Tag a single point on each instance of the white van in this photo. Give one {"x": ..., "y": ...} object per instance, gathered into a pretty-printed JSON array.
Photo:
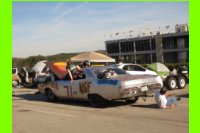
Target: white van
[{"x": 37, "y": 74}]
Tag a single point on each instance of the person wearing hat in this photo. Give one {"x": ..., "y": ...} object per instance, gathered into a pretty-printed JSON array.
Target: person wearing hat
[
  {"x": 72, "y": 70},
  {"x": 86, "y": 63}
]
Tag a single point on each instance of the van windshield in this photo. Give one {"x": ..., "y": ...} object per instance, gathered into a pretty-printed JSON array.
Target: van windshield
[{"x": 14, "y": 70}]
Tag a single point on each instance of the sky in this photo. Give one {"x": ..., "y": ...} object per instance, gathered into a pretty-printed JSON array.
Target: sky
[{"x": 48, "y": 28}]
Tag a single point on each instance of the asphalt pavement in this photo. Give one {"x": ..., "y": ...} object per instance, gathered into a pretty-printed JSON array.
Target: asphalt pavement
[{"x": 32, "y": 113}]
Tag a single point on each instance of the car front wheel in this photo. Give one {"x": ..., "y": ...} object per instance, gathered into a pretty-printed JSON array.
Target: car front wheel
[
  {"x": 97, "y": 101},
  {"x": 50, "y": 95}
]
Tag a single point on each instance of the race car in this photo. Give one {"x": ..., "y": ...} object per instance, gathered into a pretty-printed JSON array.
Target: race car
[{"x": 99, "y": 84}]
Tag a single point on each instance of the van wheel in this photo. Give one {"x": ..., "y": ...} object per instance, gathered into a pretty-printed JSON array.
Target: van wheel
[
  {"x": 181, "y": 82},
  {"x": 28, "y": 85},
  {"x": 96, "y": 100},
  {"x": 50, "y": 95},
  {"x": 171, "y": 83},
  {"x": 132, "y": 100}
]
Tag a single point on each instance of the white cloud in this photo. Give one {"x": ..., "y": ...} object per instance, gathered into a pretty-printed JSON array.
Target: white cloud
[{"x": 64, "y": 13}]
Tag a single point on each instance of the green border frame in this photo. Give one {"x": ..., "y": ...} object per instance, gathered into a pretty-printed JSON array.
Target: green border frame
[
  {"x": 194, "y": 68},
  {"x": 5, "y": 66},
  {"x": 100, "y": 0},
  {"x": 6, "y": 58}
]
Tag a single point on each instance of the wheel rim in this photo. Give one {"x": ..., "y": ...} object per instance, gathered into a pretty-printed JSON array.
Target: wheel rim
[
  {"x": 173, "y": 84},
  {"x": 182, "y": 82}
]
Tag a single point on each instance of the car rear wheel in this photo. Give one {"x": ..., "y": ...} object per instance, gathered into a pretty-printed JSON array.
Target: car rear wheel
[
  {"x": 50, "y": 95},
  {"x": 181, "y": 82},
  {"x": 132, "y": 100},
  {"x": 96, "y": 100},
  {"x": 171, "y": 83}
]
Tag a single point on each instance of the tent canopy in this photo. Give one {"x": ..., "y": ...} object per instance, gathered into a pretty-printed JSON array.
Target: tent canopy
[
  {"x": 159, "y": 68},
  {"x": 92, "y": 57}
]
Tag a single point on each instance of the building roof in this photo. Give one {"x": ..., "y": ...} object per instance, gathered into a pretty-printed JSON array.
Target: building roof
[{"x": 175, "y": 34}]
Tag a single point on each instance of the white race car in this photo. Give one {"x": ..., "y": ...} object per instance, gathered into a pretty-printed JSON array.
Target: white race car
[
  {"x": 100, "y": 84},
  {"x": 134, "y": 69}
]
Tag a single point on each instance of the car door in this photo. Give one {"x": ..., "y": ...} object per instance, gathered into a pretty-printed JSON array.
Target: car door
[
  {"x": 64, "y": 88},
  {"x": 81, "y": 88},
  {"x": 77, "y": 88}
]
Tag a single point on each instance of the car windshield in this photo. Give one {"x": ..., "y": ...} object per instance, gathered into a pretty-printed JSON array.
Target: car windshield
[
  {"x": 109, "y": 72},
  {"x": 117, "y": 71},
  {"x": 14, "y": 71}
]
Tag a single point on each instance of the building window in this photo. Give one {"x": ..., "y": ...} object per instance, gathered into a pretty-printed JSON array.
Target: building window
[
  {"x": 143, "y": 58},
  {"x": 153, "y": 57},
  {"x": 112, "y": 48},
  {"x": 169, "y": 43},
  {"x": 170, "y": 57},
  {"x": 142, "y": 45},
  {"x": 153, "y": 44},
  {"x": 186, "y": 41},
  {"x": 127, "y": 46}
]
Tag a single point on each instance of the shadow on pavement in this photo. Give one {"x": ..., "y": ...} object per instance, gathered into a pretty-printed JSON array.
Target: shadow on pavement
[
  {"x": 72, "y": 102},
  {"x": 30, "y": 97},
  {"x": 155, "y": 106},
  {"x": 184, "y": 95}
]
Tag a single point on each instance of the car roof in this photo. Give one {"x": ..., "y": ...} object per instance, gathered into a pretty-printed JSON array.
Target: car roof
[
  {"x": 123, "y": 64},
  {"x": 99, "y": 68}
]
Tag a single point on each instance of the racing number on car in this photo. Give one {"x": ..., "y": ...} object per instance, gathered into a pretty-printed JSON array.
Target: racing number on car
[
  {"x": 84, "y": 87},
  {"x": 68, "y": 90}
]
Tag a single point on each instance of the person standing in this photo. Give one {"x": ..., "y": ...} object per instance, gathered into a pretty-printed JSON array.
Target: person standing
[{"x": 72, "y": 69}]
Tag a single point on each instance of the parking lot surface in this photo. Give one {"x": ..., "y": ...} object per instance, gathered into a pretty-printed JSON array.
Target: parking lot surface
[{"x": 32, "y": 113}]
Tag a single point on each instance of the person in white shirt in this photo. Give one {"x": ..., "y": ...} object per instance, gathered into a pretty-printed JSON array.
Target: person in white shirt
[{"x": 165, "y": 101}]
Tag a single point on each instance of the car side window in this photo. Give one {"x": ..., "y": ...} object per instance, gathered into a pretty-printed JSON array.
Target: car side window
[
  {"x": 80, "y": 75},
  {"x": 129, "y": 68},
  {"x": 45, "y": 70},
  {"x": 138, "y": 68},
  {"x": 132, "y": 68},
  {"x": 126, "y": 68}
]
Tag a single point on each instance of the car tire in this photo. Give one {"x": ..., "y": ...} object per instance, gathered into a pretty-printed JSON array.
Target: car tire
[
  {"x": 171, "y": 83},
  {"x": 181, "y": 82},
  {"x": 132, "y": 100},
  {"x": 97, "y": 101},
  {"x": 27, "y": 85},
  {"x": 15, "y": 83},
  {"x": 50, "y": 95}
]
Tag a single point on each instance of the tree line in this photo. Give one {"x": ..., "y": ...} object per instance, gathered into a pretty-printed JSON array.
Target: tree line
[{"x": 30, "y": 61}]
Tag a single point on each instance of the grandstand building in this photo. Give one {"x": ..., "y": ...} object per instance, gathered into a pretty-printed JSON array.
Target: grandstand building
[{"x": 162, "y": 47}]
